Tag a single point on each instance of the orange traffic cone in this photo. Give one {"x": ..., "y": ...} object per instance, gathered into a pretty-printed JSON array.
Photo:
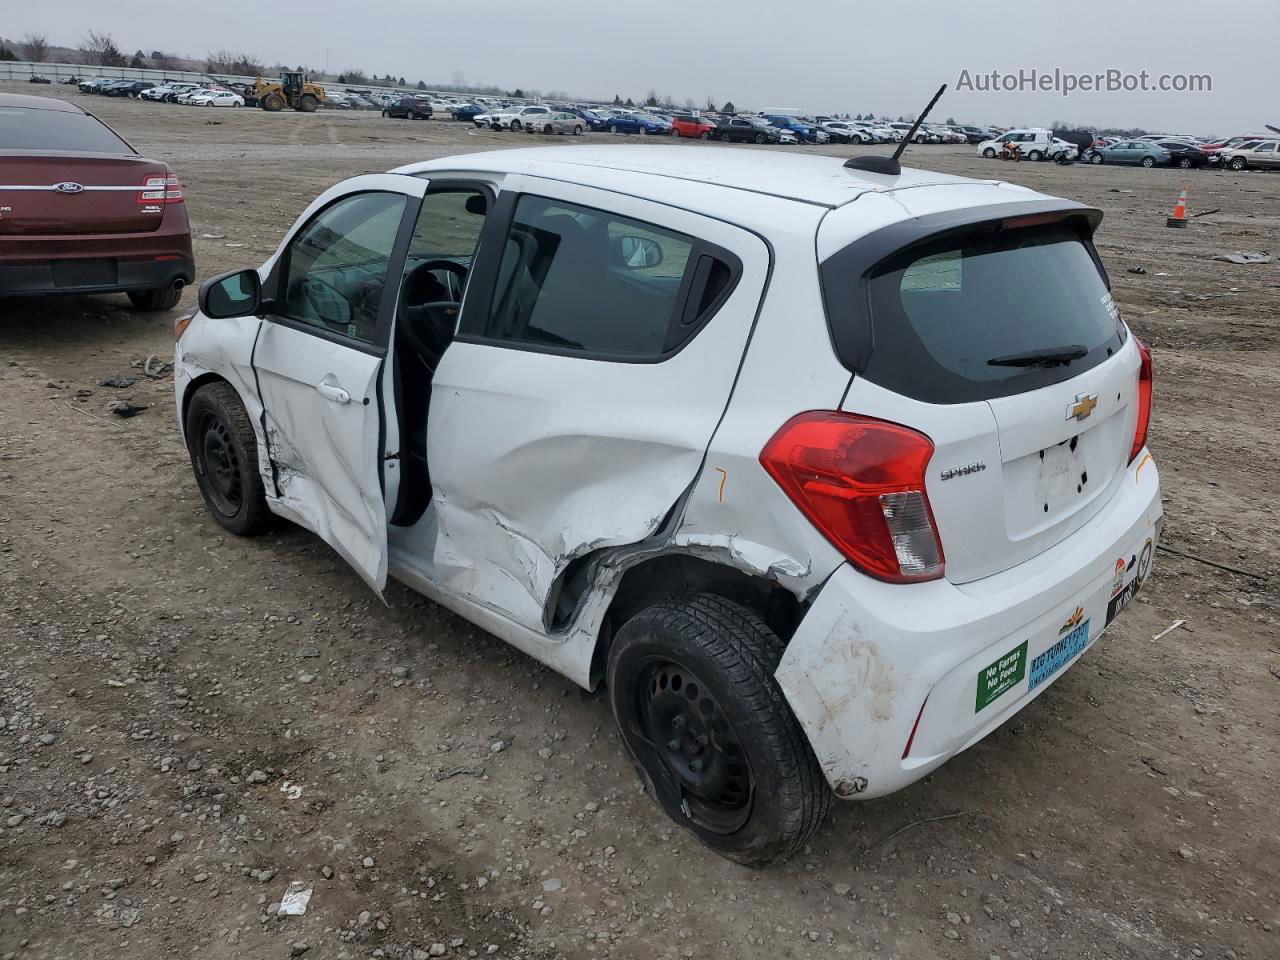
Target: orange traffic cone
[{"x": 1179, "y": 218}]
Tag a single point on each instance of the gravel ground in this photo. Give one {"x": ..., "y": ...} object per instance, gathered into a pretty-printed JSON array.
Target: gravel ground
[{"x": 192, "y": 724}]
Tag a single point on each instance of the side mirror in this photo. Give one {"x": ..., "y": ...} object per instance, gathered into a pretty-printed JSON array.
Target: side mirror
[
  {"x": 639, "y": 253},
  {"x": 234, "y": 294}
]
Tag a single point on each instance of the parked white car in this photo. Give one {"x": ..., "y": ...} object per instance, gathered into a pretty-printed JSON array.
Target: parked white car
[
  {"x": 1036, "y": 143},
  {"x": 696, "y": 425},
  {"x": 168, "y": 91},
  {"x": 217, "y": 98}
]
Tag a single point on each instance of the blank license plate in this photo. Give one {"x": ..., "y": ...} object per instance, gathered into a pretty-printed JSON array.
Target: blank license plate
[{"x": 99, "y": 272}]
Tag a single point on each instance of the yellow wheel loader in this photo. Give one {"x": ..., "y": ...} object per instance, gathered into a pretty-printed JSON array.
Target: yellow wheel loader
[{"x": 293, "y": 90}]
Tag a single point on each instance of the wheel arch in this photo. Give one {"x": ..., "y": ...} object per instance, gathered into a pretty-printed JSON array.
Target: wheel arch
[{"x": 678, "y": 573}]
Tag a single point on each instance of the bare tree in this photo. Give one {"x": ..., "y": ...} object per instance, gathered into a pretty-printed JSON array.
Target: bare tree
[
  {"x": 458, "y": 79},
  {"x": 99, "y": 49},
  {"x": 242, "y": 64},
  {"x": 34, "y": 47}
]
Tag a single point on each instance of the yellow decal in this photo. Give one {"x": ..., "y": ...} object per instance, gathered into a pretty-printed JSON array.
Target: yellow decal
[
  {"x": 1073, "y": 621},
  {"x": 723, "y": 478}
]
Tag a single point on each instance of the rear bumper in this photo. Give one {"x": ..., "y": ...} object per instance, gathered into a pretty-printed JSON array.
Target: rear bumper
[
  {"x": 97, "y": 263},
  {"x": 870, "y": 659}
]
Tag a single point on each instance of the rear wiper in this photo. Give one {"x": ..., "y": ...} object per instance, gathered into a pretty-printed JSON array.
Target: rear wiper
[{"x": 1047, "y": 357}]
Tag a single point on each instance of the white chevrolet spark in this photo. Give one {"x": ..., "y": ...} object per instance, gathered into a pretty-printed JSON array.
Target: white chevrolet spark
[{"x": 825, "y": 473}]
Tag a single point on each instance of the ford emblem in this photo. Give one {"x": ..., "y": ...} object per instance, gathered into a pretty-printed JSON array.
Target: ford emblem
[{"x": 69, "y": 186}]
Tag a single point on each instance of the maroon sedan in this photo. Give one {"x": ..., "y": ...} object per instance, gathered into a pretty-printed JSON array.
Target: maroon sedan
[{"x": 81, "y": 212}]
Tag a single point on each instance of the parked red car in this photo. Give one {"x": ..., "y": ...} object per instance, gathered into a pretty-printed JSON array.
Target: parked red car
[
  {"x": 82, "y": 212},
  {"x": 687, "y": 125}
]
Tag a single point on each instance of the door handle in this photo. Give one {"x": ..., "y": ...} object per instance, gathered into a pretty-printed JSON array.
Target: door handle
[{"x": 336, "y": 394}]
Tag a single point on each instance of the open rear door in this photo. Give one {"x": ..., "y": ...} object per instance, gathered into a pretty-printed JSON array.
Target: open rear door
[{"x": 322, "y": 364}]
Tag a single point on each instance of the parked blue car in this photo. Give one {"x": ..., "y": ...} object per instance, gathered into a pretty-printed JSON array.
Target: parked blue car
[
  {"x": 467, "y": 111},
  {"x": 805, "y": 132},
  {"x": 637, "y": 123},
  {"x": 1142, "y": 152},
  {"x": 594, "y": 120}
]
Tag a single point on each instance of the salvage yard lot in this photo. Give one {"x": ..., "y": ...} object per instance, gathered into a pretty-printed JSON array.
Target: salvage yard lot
[{"x": 191, "y": 721}]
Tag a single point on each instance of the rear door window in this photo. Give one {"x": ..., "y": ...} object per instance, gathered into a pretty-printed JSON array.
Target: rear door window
[
  {"x": 581, "y": 280},
  {"x": 22, "y": 128},
  {"x": 956, "y": 319}
]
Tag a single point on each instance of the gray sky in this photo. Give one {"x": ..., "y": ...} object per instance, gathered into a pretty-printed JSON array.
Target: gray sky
[{"x": 836, "y": 56}]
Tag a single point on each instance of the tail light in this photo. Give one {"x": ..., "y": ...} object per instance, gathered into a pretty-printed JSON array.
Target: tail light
[
  {"x": 861, "y": 483},
  {"x": 1144, "y": 400},
  {"x": 161, "y": 189}
]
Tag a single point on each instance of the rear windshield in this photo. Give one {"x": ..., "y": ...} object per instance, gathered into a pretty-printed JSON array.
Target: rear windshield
[
  {"x": 22, "y": 128},
  {"x": 943, "y": 311}
]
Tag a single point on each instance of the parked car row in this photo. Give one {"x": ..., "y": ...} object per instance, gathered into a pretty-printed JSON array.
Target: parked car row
[
  {"x": 1150, "y": 150},
  {"x": 177, "y": 91}
]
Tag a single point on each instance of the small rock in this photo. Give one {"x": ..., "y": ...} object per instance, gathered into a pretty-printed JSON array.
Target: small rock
[
  {"x": 1186, "y": 853},
  {"x": 551, "y": 885},
  {"x": 951, "y": 934},
  {"x": 498, "y": 746},
  {"x": 298, "y": 948},
  {"x": 47, "y": 739},
  {"x": 258, "y": 776},
  {"x": 200, "y": 877},
  {"x": 307, "y": 678},
  {"x": 400, "y": 673},
  {"x": 327, "y": 872},
  {"x": 592, "y": 807},
  {"x": 437, "y": 950},
  {"x": 367, "y": 863},
  {"x": 841, "y": 889},
  {"x": 953, "y": 919}
]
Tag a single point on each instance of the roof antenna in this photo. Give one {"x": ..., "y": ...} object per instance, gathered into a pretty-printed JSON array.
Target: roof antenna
[{"x": 889, "y": 166}]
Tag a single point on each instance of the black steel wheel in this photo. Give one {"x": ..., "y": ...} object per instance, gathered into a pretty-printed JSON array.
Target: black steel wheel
[
  {"x": 224, "y": 457},
  {"x": 692, "y": 688}
]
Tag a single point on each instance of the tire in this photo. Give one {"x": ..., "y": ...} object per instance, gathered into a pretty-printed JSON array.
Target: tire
[
  {"x": 1035, "y": 155},
  {"x": 762, "y": 794},
  {"x": 166, "y": 298},
  {"x": 273, "y": 103},
  {"x": 760, "y": 138},
  {"x": 307, "y": 103},
  {"x": 1237, "y": 163},
  {"x": 1148, "y": 162},
  {"x": 577, "y": 130},
  {"x": 515, "y": 124},
  {"x": 612, "y": 128},
  {"x": 548, "y": 130},
  {"x": 1096, "y": 159},
  {"x": 989, "y": 153},
  {"x": 705, "y": 135},
  {"x": 1185, "y": 163},
  {"x": 386, "y": 114},
  {"x": 224, "y": 457},
  {"x": 235, "y": 105},
  {"x": 675, "y": 133}
]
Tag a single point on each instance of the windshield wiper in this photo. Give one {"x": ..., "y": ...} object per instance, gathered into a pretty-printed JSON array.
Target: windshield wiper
[{"x": 1047, "y": 357}]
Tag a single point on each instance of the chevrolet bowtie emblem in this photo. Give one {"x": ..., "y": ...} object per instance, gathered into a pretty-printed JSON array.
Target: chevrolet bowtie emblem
[{"x": 1082, "y": 407}]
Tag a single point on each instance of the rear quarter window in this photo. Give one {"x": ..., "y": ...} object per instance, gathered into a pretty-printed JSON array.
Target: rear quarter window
[{"x": 22, "y": 128}]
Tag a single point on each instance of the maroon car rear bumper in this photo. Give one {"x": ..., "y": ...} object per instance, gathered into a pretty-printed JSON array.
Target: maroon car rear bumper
[{"x": 31, "y": 265}]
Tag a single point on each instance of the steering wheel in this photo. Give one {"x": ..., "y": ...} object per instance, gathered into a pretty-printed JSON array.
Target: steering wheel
[
  {"x": 327, "y": 303},
  {"x": 448, "y": 266}
]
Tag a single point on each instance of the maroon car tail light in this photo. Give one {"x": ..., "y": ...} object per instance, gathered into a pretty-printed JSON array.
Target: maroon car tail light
[
  {"x": 861, "y": 482},
  {"x": 161, "y": 189},
  {"x": 1145, "y": 382}
]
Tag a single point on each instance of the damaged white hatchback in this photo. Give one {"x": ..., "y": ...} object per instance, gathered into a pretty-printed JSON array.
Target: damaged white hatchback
[{"x": 824, "y": 472}]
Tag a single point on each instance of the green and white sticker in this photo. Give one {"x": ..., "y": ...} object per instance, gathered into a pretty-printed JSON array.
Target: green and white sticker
[{"x": 1002, "y": 676}]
